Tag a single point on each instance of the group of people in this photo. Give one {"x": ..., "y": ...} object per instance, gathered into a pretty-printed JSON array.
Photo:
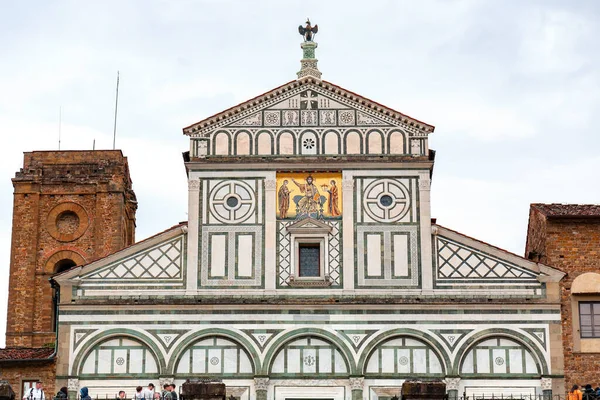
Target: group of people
[
  {"x": 586, "y": 392},
  {"x": 141, "y": 393}
]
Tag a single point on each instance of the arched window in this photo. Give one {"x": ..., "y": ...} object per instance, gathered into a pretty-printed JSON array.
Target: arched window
[
  {"x": 214, "y": 356},
  {"x": 499, "y": 357},
  {"x": 122, "y": 356},
  {"x": 63, "y": 265},
  {"x": 309, "y": 356},
  {"x": 404, "y": 357}
]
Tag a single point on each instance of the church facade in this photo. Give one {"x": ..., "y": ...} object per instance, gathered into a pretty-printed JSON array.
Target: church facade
[{"x": 310, "y": 267}]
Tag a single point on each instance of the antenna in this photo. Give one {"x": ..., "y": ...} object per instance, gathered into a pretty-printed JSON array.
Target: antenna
[
  {"x": 94, "y": 145},
  {"x": 59, "y": 125},
  {"x": 116, "y": 107}
]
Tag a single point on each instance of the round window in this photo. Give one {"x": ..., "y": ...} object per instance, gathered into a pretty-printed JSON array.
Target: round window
[
  {"x": 386, "y": 200},
  {"x": 232, "y": 201}
]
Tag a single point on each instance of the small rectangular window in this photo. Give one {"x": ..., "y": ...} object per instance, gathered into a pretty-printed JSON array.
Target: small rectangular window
[
  {"x": 27, "y": 384},
  {"x": 589, "y": 319},
  {"x": 309, "y": 260}
]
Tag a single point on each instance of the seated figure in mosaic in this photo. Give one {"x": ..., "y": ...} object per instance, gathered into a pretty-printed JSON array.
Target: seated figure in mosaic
[{"x": 311, "y": 201}]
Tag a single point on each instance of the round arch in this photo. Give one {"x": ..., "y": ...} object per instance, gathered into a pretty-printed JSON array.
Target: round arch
[
  {"x": 368, "y": 135},
  {"x": 61, "y": 255},
  {"x": 214, "y": 332},
  {"x": 288, "y": 337},
  {"x": 348, "y": 135},
  {"x": 391, "y": 144},
  {"x": 586, "y": 283},
  {"x": 257, "y": 142},
  {"x": 407, "y": 332},
  {"x": 324, "y": 137},
  {"x": 316, "y": 139},
  {"x": 501, "y": 333},
  {"x": 113, "y": 333},
  {"x": 237, "y": 142},
  {"x": 216, "y": 139},
  {"x": 283, "y": 134}
]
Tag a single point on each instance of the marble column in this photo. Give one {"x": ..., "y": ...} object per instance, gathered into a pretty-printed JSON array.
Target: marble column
[
  {"x": 452, "y": 388},
  {"x": 73, "y": 388},
  {"x": 261, "y": 385},
  {"x": 546, "y": 384},
  {"x": 357, "y": 384}
]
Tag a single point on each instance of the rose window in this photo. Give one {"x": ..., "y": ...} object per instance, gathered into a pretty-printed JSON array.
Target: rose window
[
  {"x": 308, "y": 143},
  {"x": 386, "y": 200}
]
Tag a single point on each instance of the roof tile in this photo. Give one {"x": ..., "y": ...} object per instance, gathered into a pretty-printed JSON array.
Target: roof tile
[{"x": 569, "y": 210}]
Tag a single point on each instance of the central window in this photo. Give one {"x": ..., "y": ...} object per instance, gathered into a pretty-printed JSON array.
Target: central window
[
  {"x": 309, "y": 260},
  {"x": 589, "y": 319}
]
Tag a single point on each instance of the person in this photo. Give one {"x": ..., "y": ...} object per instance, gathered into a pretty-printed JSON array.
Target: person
[
  {"x": 283, "y": 197},
  {"x": 574, "y": 393},
  {"x": 589, "y": 393},
  {"x": 598, "y": 391},
  {"x": 173, "y": 392},
  {"x": 35, "y": 393},
  {"x": 139, "y": 393},
  {"x": 62, "y": 394},
  {"x": 332, "y": 207},
  {"x": 121, "y": 394},
  {"x": 83, "y": 394},
  {"x": 166, "y": 393},
  {"x": 309, "y": 203},
  {"x": 150, "y": 392}
]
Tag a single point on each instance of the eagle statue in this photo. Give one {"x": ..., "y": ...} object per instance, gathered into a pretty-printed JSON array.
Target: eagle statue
[{"x": 308, "y": 31}]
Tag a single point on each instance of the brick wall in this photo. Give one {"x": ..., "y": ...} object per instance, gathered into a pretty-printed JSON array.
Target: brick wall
[
  {"x": 68, "y": 205},
  {"x": 16, "y": 374},
  {"x": 573, "y": 246}
]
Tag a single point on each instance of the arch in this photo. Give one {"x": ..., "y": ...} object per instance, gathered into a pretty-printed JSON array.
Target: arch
[
  {"x": 499, "y": 333},
  {"x": 117, "y": 333},
  {"x": 396, "y": 142},
  {"x": 263, "y": 143},
  {"x": 242, "y": 144},
  {"x": 586, "y": 283},
  {"x": 214, "y": 332},
  {"x": 404, "y": 332},
  {"x": 221, "y": 143},
  {"x": 374, "y": 142},
  {"x": 353, "y": 142},
  {"x": 331, "y": 142},
  {"x": 214, "y": 355},
  {"x": 289, "y": 337},
  {"x": 52, "y": 263},
  {"x": 309, "y": 148},
  {"x": 286, "y": 143}
]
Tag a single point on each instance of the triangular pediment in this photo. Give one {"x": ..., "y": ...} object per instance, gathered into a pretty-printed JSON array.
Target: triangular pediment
[
  {"x": 309, "y": 225},
  {"x": 157, "y": 261},
  {"x": 462, "y": 260},
  {"x": 308, "y": 103}
]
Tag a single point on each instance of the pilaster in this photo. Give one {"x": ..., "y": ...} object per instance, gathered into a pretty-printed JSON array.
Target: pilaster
[
  {"x": 452, "y": 385},
  {"x": 425, "y": 223},
  {"x": 270, "y": 232},
  {"x": 192, "y": 236},
  {"x": 348, "y": 233},
  {"x": 546, "y": 384}
]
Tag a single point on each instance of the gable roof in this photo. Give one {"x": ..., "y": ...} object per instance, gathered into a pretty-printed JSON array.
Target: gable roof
[
  {"x": 544, "y": 272},
  {"x": 556, "y": 210},
  {"x": 338, "y": 90}
]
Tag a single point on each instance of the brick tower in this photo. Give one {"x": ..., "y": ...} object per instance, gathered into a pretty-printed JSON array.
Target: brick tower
[
  {"x": 70, "y": 208},
  {"x": 567, "y": 237}
]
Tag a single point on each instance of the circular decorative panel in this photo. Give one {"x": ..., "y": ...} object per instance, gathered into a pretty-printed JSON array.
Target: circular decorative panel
[
  {"x": 386, "y": 200},
  {"x": 403, "y": 360},
  {"x": 120, "y": 361},
  {"x": 67, "y": 222},
  {"x": 214, "y": 361},
  {"x": 499, "y": 361},
  {"x": 232, "y": 201}
]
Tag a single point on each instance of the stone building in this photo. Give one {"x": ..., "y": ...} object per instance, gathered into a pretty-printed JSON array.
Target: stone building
[
  {"x": 310, "y": 267},
  {"x": 70, "y": 208},
  {"x": 567, "y": 236}
]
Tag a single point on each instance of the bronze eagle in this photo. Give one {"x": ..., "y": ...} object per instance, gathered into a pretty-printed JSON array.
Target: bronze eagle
[{"x": 308, "y": 31}]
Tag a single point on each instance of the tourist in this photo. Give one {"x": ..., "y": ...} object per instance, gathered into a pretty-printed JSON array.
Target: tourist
[
  {"x": 139, "y": 393},
  {"x": 574, "y": 393},
  {"x": 166, "y": 393},
  {"x": 62, "y": 394},
  {"x": 121, "y": 394},
  {"x": 35, "y": 393},
  {"x": 83, "y": 394},
  {"x": 149, "y": 392},
  {"x": 589, "y": 393},
  {"x": 173, "y": 392}
]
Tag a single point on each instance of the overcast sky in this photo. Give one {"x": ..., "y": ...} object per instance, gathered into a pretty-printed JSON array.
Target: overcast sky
[{"x": 511, "y": 86}]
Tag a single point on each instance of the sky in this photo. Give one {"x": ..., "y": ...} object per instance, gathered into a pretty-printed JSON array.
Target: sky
[{"x": 512, "y": 87}]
